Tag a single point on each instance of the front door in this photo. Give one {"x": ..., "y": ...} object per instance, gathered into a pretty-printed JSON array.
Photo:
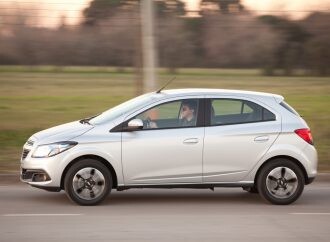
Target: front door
[{"x": 168, "y": 150}]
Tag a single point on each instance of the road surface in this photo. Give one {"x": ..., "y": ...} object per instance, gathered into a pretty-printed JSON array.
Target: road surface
[{"x": 227, "y": 214}]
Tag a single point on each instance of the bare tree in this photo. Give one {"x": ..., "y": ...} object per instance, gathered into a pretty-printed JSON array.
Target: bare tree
[{"x": 232, "y": 41}]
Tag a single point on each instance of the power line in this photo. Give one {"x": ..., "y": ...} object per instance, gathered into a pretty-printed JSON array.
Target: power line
[
  {"x": 49, "y": 3},
  {"x": 197, "y": 11},
  {"x": 105, "y": 4},
  {"x": 51, "y": 17},
  {"x": 51, "y": 9},
  {"x": 256, "y": 26},
  {"x": 56, "y": 3},
  {"x": 38, "y": 9},
  {"x": 124, "y": 19}
]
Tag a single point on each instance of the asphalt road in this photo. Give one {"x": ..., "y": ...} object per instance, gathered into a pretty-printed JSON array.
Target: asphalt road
[{"x": 227, "y": 214}]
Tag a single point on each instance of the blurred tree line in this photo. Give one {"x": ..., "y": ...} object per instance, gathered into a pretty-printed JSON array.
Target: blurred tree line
[{"x": 222, "y": 35}]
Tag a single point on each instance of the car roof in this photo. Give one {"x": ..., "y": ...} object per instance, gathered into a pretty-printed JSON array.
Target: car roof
[{"x": 209, "y": 91}]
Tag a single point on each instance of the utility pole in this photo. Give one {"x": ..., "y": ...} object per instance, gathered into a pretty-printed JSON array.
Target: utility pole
[
  {"x": 138, "y": 68},
  {"x": 148, "y": 46}
]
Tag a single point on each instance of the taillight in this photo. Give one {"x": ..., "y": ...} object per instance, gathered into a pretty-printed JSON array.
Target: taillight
[{"x": 305, "y": 134}]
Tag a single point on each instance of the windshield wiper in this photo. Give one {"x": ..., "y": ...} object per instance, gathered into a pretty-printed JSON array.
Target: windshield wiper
[{"x": 85, "y": 121}]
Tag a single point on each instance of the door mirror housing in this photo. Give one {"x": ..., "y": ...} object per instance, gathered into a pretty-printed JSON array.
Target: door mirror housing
[{"x": 134, "y": 124}]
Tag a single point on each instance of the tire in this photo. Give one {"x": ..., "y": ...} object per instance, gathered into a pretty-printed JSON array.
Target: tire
[
  {"x": 280, "y": 182},
  {"x": 88, "y": 182}
]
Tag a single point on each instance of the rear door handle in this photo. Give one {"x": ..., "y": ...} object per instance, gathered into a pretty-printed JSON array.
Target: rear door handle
[
  {"x": 261, "y": 138},
  {"x": 191, "y": 141}
]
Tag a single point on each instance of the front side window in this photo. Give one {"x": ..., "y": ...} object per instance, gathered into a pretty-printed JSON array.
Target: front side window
[
  {"x": 174, "y": 114},
  {"x": 234, "y": 111}
]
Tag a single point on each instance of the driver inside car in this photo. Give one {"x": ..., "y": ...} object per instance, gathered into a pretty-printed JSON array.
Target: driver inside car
[
  {"x": 188, "y": 113},
  {"x": 187, "y": 116}
]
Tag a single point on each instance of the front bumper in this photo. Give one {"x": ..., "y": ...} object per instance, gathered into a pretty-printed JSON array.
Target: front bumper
[
  {"x": 43, "y": 173},
  {"x": 33, "y": 175}
]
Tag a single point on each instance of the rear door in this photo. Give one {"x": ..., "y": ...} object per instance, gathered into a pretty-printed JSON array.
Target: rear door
[{"x": 238, "y": 134}]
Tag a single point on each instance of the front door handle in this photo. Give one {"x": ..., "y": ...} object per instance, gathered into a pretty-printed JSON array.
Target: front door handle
[
  {"x": 263, "y": 138},
  {"x": 191, "y": 141}
]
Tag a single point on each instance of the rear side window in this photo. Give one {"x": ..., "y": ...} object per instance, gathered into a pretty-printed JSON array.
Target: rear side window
[
  {"x": 289, "y": 108},
  {"x": 234, "y": 111}
]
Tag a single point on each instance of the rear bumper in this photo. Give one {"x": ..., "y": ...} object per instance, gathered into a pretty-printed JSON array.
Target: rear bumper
[{"x": 309, "y": 154}]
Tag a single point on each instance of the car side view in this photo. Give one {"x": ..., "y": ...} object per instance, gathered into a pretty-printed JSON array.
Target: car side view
[{"x": 181, "y": 138}]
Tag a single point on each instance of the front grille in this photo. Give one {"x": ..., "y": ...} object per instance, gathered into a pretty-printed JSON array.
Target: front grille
[{"x": 25, "y": 153}]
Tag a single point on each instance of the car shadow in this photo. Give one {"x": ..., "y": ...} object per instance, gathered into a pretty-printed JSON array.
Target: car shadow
[
  {"x": 160, "y": 196},
  {"x": 154, "y": 196},
  {"x": 170, "y": 197}
]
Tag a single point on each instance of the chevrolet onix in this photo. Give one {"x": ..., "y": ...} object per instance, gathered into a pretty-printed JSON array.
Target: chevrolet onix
[{"x": 187, "y": 138}]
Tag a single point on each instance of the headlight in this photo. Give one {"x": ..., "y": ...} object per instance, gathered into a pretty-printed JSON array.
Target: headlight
[{"x": 49, "y": 150}]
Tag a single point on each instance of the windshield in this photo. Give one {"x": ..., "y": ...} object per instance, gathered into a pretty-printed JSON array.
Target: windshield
[{"x": 117, "y": 111}]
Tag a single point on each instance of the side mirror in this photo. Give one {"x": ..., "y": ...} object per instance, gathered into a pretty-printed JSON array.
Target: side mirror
[{"x": 134, "y": 124}]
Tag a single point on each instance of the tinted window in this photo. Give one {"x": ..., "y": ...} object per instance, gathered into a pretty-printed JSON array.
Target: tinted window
[
  {"x": 175, "y": 114},
  {"x": 232, "y": 111},
  {"x": 268, "y": 116},
  {"x": 226, "y": 106}
]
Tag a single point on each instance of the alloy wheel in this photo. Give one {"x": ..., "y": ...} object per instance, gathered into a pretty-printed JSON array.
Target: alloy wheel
[
  {"x": 282, "y": 182},
  {"x": 88, "y": 183}
]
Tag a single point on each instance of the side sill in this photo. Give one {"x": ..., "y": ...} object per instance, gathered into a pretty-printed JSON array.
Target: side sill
[
  {"x": 49, "y": 189},
  {"x": 193, "y": 186}
]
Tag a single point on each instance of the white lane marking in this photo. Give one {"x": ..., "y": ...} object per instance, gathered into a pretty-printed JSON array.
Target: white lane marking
[
  {"x": 310, "y": 213},
  {"x": 40, "y": 214},
  {"x": 317, "y": 188}
]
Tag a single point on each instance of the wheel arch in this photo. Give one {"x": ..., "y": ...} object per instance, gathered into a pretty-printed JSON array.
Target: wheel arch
[
  {"x": 297, "y": 162},
  {"x": 95, "y": 157}
]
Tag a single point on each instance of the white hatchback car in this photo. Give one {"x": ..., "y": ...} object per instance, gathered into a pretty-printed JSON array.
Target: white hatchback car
[{"x": 188, "y": 138}]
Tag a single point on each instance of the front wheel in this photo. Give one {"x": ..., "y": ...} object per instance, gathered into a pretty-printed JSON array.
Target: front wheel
[
  {"x": 88, "y": 182},
  {"x": 280, "y": 182}
]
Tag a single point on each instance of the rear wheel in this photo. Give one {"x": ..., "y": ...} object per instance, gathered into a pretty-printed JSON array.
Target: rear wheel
[
  {"x": 88, "y": 182},
  {"x": 280, "y": 182}
]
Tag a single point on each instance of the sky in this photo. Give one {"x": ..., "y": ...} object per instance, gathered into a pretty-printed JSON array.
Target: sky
[{"x": 53, "y": 10}]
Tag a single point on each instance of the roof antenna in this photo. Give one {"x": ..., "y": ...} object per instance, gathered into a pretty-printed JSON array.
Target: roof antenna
[{"x": 166, "y": 84}]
